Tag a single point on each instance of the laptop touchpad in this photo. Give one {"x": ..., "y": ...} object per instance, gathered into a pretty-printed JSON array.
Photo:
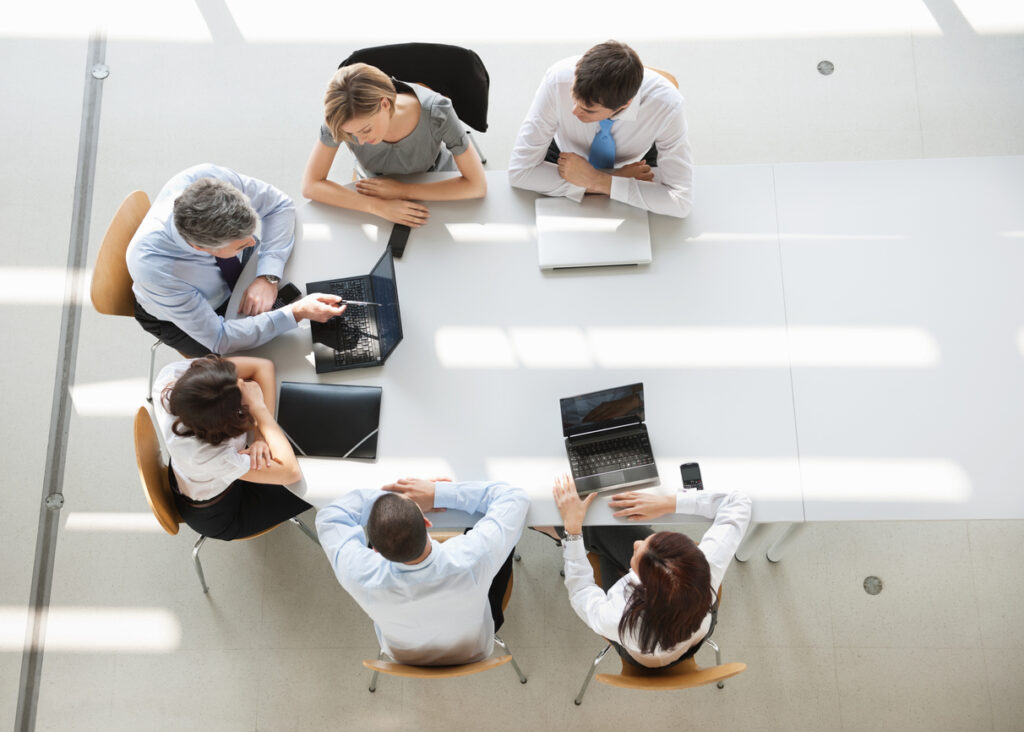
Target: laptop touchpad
[{"x": 616, "y": 477}]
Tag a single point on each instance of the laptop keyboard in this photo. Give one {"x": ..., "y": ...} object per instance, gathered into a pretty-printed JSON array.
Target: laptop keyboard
[
  {"x": 617, "y": 453},
  {"x": 355, "y": 330}
]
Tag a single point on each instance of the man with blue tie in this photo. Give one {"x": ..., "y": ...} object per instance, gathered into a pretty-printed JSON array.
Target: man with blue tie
[
  {"x": 602, "y": 123},
  {"x": 189, "y": 251}
]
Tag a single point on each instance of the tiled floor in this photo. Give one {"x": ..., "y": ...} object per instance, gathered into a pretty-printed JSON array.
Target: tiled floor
[{"x": 276, "y": 644}]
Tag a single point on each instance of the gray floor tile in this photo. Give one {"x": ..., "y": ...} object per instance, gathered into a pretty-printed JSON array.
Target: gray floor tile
[
  {"x": 998, "y": 582},
  {"x": 912, "y": 689}
]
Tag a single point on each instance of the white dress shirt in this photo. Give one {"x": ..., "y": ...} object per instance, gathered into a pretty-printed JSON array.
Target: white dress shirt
[
  {"x": 172, "y": 281},
  {"x": 654, "y": 116},
  {"x": 602, "y": 612},
  {"x": 434, "y": 613},
  {"x": 203, "y": 470}
]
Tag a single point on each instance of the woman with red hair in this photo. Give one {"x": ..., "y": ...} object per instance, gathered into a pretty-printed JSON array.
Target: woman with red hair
[{"x": 658, "y": 600}]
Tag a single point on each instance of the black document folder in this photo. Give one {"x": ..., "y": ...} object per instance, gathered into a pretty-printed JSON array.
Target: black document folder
[{"x": 330, "y": 420}]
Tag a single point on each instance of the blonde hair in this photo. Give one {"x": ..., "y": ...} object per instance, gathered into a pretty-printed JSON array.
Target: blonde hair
[{"x": 355, "y": 91}]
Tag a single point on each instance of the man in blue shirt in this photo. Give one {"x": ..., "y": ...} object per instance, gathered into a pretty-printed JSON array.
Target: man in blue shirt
[
  {"x": 432, "y": 604},
  {"x": 185, "y": 259}
]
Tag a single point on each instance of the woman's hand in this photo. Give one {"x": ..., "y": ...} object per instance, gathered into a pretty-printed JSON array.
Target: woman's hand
[
  {"x": 571, "y": 508},
  {"x": 252, "y": 394},
  {"x": 259, "y": 455},
  {"x": 402, "y": 212},
  {"x": 642, "y": 506},
  {"x": 380, "y": 188}
]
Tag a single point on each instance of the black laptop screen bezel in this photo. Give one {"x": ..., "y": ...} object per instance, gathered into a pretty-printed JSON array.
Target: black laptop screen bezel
[{"x": 566, "y": 402}]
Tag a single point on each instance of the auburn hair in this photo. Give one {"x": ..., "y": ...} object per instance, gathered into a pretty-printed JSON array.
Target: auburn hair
[
  {"x": 207, "y": 402},
  {"x": 674, "y": 594}
]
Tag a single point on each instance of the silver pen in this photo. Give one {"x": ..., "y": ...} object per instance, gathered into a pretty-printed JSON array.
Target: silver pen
[{"x": 360, "y": 302}]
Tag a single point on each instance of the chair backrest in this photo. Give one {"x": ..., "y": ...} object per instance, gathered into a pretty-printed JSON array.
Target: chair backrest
[
  {"x": 671, "y": 79},
  {"x": 683, "y": 675},
  {"x": 456, "y": 72},
  {"x": 153, "y": 472},
  {"x": 436, "y": 672},
  {"x": 111, "y": 283}
]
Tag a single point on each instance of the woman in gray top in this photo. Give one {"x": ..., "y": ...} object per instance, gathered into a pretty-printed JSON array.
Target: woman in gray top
[{"x": 392, "y": 128}]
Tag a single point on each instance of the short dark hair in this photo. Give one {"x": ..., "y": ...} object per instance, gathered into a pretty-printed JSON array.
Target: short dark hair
[
  {"x": 207, "y": 402},
  {"x": 396, "y": 528},
  {"x": 211, "y": 213},
  {"x": 608, "y": 74},
  {"x": 674, "y": 594}
]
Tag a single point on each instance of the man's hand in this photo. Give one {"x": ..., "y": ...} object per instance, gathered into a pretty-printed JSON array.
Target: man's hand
[
  {"x": 258, "y": 298},
  {"x": 639, "y": 170},
  {"x": 402, "y": 212},
  {"x": 642, "y": 506},
  {"x": 259, "y": 455},
  {"x": 317, "y": 306},
  {"x": 381, "y": 188},
  {"x": 576, "y": 170},
  {"x": 570, "y": 507},
  {"x": 419, "y": 490}
]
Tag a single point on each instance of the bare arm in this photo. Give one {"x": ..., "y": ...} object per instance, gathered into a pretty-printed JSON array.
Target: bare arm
[
  {"x": 316, "y": 187},
  {"x": 282, "y": 468},
  {"x": 471, "y": 184},
  {"x": 260, "y": 370}
]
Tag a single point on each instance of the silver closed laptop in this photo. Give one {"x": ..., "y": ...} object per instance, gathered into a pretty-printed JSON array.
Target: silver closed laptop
[{"x": 598, "y": 232}]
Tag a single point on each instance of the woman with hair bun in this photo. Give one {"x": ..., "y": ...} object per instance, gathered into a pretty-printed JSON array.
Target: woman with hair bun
[
  {"x": 229, "y": 460},
  {"x": 658, "y": 600}
]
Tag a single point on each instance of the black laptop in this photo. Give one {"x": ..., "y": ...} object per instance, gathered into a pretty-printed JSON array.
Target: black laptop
[
  {"x": 330, "y": 420},
  {"x": 365, "y": 335},
  {"x": 607, "y": 441}
]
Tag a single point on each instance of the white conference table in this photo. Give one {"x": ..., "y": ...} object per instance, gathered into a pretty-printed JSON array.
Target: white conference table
[
  {"x": 491, "y": 343},
  {"x": 909, "y": 275}
]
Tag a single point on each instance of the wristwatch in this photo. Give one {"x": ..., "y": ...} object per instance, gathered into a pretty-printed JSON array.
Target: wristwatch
[
  {"x": 272, "y": 279},
  {"x": 572, "y": 537}
]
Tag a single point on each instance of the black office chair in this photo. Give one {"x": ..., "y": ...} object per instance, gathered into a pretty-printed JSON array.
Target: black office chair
[{"x": 453, "y": 71}]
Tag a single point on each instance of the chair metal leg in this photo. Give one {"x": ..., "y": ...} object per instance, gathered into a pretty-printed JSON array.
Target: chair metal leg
[
  {"x": 483, "y": 158},
  {"x": 718, "y": 658},
  {"x": 373, "y": 679},
  {"x": 519, "y": 671},
  {"x": 198, "y": 564},
  {"x": 593, "y": 667},
  {"x": 152, "y": 364},
  {"x": 305, "y": 530}
]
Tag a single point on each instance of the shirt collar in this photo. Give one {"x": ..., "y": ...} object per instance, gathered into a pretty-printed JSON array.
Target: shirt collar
[
  {"x": 629, "y": 113},
  {"x": 434, "y": 548}
]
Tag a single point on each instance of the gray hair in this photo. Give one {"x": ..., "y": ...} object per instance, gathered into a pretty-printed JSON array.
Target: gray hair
[{"x": 211, "y": 213}]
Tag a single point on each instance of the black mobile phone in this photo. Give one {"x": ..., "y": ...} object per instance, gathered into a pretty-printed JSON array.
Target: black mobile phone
[
  {"x": 286, "y": 295},
  {"x": 691, "y": 476},
  {"x": 398, "y": 240}
]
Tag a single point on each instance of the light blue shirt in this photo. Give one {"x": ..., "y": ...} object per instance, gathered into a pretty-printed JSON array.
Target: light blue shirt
[
  {"x": 436, "y": 612},
  {"x": 172, "y": 281}
]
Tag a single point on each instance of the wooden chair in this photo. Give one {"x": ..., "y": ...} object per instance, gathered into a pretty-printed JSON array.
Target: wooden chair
[
  {"x": 667, "y": 75},
  {"x": 684, "y": 675},
  {"x": 156, "y": 484},
  {"x": 392, "y": 668},
  {"x": 111, "y": 289}
]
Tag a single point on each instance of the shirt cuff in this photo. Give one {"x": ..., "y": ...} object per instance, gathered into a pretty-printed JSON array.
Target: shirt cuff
[
  {"x": 686, "y": 502},
  {"x": 444, "y": 494},
  {"x": 574, "y": 550},
  {"x": 575, "y": 192},
  {"x": 620, "y": 189}
]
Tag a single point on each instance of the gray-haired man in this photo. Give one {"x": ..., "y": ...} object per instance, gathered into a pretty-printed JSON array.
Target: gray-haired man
[{"x": 185, "y": 259}]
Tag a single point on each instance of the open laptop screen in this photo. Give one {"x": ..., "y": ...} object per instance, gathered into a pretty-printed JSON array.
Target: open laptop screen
[
  {"x": 385, "y": 292},
  {"x": 602, "y": 409}
]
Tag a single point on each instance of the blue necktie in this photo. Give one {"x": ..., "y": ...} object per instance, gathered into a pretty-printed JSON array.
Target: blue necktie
[{"x": 602, "y": 149}]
